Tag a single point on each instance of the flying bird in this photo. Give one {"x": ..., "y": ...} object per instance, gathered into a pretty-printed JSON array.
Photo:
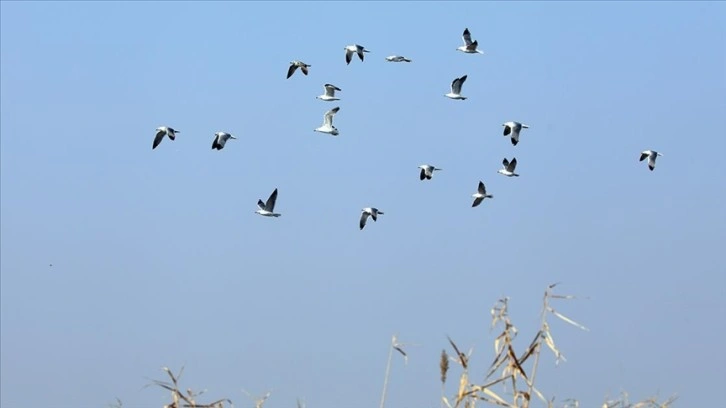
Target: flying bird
[
  {"x": 220, "y": 139},
  {"x": 329, "y": 94},
  {"x": 456, "y": 88},
  {"x": 369, "y": 212},
  {"x": 480, "y": 195},
  {"x": 427, "y": 171},
  {"x": 651, "y": 155},
  {"x": 509, "y": 167},
  {"x": 327, "y": 126},
  {"x": 397, "y": 58},
  {"x": 354, "y": 49},
  {"x": 161, "y": 132},
  {"x": 513, "y": 129},
  {"x": 267, "y": 209},
  {"x": 294, "y": 65},
  {"x": 469, "y": 46}
]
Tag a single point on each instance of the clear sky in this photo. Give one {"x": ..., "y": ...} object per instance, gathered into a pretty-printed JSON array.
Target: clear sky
[{"x": 158, "y": 258}]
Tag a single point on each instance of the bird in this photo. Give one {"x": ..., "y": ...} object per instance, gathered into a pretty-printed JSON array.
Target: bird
[
  {"x": 161, "y": 132},
  {"x": 456, "y": 88},
  {"x": 427, "y": 171},
  {"x": 509, "y": 167},
  {"x": 220, "y": 139},
  {"x": 355, "y": 48},
  {"x": 480, "y": 195},
  {"x": 469, "y": 47},
  {"x": 327, "y": 126},
  {"x": 295, "y": 65},
  {"x": 329, "y": 94},
  {"x": 267, "y": 209},
  {"x": 651, "y": 155},
  {"x": 397, "y": 58},
  {"x": 513, "y": 128},
  {"x": 369, "y": 212}
]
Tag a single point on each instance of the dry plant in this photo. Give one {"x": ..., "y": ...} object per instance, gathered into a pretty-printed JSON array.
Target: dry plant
[
  {"x": 179, "y": 399},
  {"x": 623, "y": 402},
  {"x": 395, "y": 345},
  {"x": 260, "y": 401},
  {"x": 518, "y": 382}
]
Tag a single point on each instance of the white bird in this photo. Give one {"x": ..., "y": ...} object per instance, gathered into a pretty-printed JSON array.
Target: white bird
[
  {"x": 354, "y": 49},
  {"x": 295, "y": 65},
  {"x": 369, "y": 212},
  {"x": 480, "y": 195},
  {"x": 161, "y": 132},
  {"x": 427, "y": 171},
  {"x": 397, "y": 58},
  {"x": 509, "y": 167},
  {"x": 456, "y": 88},
  {"x": 267, "y": 209},
  {"x": 327, "y": 126},
  {"x": 329, "y": 94},
  {"x": 220, "y": 139},
  {"x": 469, "y": 47},
  {"x": 651, "y": 155},
  {"x": 513, "y": 128}
]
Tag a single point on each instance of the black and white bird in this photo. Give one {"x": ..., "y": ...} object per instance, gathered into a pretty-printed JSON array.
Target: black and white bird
[
  {"x": 354, "y": 49},
  {"x": 368, "y": 212},
  {"x": 220, "y": 139},
  {"x": 456, "y": 85},
  {"x": 397, "y": 58},
  {"x": 329, "y": 94},
  {"x": 509, "y": 167},
  {"x": 651, "y": 155},
  {"x": 161, "y": 132},
  {"x": 427, "y": 171},
  {"x": 480, "y": 195},
  {"x": 294, "y": 65},
  {"x": 513, "y": 128},
  {"x": 469, "y": 47},
  {"x": 327, "y": 126},
  {"x": 267, "y": 209}
]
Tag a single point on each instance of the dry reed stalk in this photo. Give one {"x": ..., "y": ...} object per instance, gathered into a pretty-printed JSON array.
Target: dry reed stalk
[
  {"x": 443, "y": 369},
  {"x": 395, "y": 345},
  {"x": 177, "y": 395},
  {"x": 259, "y": 402}
]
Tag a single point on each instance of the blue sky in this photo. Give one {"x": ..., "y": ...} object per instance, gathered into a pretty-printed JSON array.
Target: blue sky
[{"x": 159, "y": 260}]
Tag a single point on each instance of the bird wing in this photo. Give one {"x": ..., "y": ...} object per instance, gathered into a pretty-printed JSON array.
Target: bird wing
[
  {"x": 423, "y": 174},
  {"x": 472, "y": 46},
  {"x": 261, "y": 204},
  {"x": 466, "y": 37},
  {"x": 158, "y": 138},
  {"x": 348, "y": 55},
  {"x": 482, "y": 189},
  {"x": 215, "y": 141},
  {"x": 328, "y": 118},
  {"x": 643, "y": 155},
  {"x": 457, "y": 84},
  {"x": 359, "y": 50},
  {"x": 512, "y": 165},
  {"x": 477, "y": 201},
  {"x": 270, "y": 205},
  {"x": 374, "y": 214},
  {"x": 291, "y": 70},
  {"x": 507, "y": 130},
  {"x": 304, "y": 69},
  {"x": 505, "y": 163},
  {"x": 330, "y": 89},
  {"x": 363, "y": 218}
]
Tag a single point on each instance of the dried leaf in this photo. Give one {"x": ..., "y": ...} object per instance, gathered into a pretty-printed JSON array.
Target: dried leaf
[{"x": 568, "y": 320}]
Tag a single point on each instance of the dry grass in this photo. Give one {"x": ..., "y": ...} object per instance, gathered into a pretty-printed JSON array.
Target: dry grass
[
  {"x": 179, "y": 399},
  {"x": 509, "y": 381}
]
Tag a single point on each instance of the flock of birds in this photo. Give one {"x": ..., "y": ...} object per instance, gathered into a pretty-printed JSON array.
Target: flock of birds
[{"x": 511, "y": 129}]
